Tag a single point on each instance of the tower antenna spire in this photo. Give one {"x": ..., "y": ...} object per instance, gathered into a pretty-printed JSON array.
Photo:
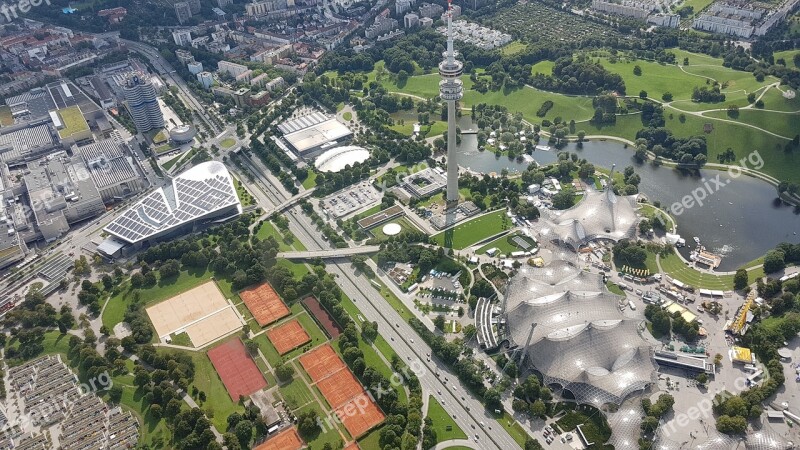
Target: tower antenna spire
[{"x": 451, "y": 90}]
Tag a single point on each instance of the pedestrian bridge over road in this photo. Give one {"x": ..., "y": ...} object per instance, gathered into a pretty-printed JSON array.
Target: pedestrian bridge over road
[{"x": 332, "y": 253}]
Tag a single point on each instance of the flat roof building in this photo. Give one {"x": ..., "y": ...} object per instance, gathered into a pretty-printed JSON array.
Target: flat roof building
[{"x": 313, "y": 132}]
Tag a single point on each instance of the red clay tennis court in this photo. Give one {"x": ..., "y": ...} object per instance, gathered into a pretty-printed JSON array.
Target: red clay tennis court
[
  {"x": 285, "y": 440},
  {"x": 360, "y": 415},
  {"x": 288, "y": 336},
  {"x": 340, "y": 387},
  {"x": 321, "y": 362},
  {"x": 264, "y": 303},
  {"x": 238, "y": 372},
  {"x": 322, "y": 316},
  {"x": 352, "y": 446}
]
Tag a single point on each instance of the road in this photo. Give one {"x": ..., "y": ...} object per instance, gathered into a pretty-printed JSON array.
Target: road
[
  {"x": 404, "y": 340},
  {"x": 167, "y": 72},
  {"x": 330, "y": 253}
]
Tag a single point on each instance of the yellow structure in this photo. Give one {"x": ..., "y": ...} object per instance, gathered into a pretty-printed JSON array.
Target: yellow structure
[
  {"x": 741, "y": 355},
  {"x": 672, "y": 308},
  {"x": 741, "y": 317}
]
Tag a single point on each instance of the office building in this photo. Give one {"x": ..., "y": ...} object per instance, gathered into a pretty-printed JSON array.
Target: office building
[
  {"x": 142, "y": 101},
  {"x": 183, "y": 12},
  {"x": 182, "y": 37}
]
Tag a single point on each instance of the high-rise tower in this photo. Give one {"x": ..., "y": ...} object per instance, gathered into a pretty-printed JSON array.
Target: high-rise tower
[
  {"x": 142, "y": 101},
  {"x": 451, "y": 90}
]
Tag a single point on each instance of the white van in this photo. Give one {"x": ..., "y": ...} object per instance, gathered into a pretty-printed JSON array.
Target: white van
[{"x": 632, "y": 305}]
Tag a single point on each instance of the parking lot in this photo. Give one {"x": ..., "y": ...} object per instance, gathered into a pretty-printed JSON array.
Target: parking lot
[{"x": 350, "y": 200}]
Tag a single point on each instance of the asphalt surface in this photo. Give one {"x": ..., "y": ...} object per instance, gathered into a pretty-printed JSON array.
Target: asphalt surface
[{"x": 468, "y": 412}]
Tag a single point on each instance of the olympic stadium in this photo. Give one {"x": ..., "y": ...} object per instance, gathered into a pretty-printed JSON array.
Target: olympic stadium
[
  {"x": 203, "y": 193},
  {"x": 764, "y": 439},
  {"x": 599, "y": 215},
  {"x": 570, "y": 329}
]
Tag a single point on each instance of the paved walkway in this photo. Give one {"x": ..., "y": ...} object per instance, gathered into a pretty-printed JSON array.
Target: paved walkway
[{"x": 454, "y": 443}]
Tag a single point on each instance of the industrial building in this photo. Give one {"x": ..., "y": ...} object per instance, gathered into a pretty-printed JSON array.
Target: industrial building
[
  {"x": 313, "y": 132},
  {"x": 111, "y": 166}
]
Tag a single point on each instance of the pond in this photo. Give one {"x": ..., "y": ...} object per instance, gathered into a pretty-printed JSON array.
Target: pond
[{"x": 740, "y": 221}]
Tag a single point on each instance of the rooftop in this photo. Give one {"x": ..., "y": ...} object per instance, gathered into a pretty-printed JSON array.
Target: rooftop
[
  {"x": 72, "y": 121},
  {"x": 199, "y": 193}
]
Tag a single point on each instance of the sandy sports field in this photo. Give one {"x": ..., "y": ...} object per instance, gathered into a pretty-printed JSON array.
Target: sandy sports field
[
  {"x": 288, "y": 336},
  {"x": 236, "y": 369},
  {"x": 321, "y": 362},
  {"x": 264, "y": 303},
  {"x": 202, "y": 312},
  {"x": 285, "y": 440}
]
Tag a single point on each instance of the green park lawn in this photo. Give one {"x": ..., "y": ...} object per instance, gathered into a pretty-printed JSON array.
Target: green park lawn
[
  {"x": 676, "y": 268},
  {"x": 227, "y": 143},
  {"x": 786, "y": 125},
  {"x": 513, "y": 48},
  {"x": 473, "y": 230},
  {"x": 329, "y": 436},
  {"x": 656, "y": 79},
  {"x": 774, "y": 99},
  {"x": 296, "y": 393},
  {"x": 311, "y": 180},
  {"x": 545, "y": 67},
  {"x": 348, "y": 116},
  {"x": 6, "y": 118},
  {"x": 404, "y": 223},
  {"x": 207, "y": 380},
  {"x": 442, "y": 420},
  {"x": 502, "y": 243}
]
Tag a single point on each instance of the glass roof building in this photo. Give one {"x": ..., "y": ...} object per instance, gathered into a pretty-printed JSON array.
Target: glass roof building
[
  {"x": 572, "y": 331},
  {"x": 204, "y": 192}
]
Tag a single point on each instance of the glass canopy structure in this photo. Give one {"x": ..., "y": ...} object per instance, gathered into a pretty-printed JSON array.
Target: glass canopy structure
[{"x": 571, "y": 329}]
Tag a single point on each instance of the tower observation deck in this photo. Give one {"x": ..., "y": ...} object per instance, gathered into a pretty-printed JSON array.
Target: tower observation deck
[{"x": 451, "y": 89}]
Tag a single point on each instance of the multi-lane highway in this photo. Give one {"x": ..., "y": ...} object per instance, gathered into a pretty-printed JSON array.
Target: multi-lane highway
[{"x": 468, "y": 412}]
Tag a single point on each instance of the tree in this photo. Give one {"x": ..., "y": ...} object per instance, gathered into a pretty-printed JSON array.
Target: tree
[
  {"x": 115, "y": 393},
  {"x": 740, "y": 279},
  {"x": 774, "y": 261},
  {"x": 284, "y": 372},
  {"x": 438, "y": 321},
  {"x": 642, "y": 94},
  {"x": 244, "y": 432},
  {"x": 563, "y": 199},
  {"x": 156, "y": 411},
  {"x": 469, "y": 331},
  {"x": 532, "y": 444},
  {"x": 649, "y": 424},
  {"x": 170, "y": 268},
  {"x": 731, "y": 425},
  {"x": 251, "y": 346},
  {"x": 666, "y": 96},
  {"x": 538, "y": 408},
  {"x": 637, "y": 70}
]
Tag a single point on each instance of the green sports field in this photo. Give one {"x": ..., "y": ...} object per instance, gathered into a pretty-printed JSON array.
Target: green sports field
[{"x": 473, "y": 230}]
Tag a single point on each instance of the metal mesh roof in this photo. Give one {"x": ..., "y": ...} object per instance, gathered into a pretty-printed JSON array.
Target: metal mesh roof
[
  {"x": 576, "y": 335},
  {"x": 601, "y": 214},
  {"x": 764, "y": 439}
]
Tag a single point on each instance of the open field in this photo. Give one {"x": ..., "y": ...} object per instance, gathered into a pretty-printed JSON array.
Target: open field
[
  {"x": 473, "y": 230},
  {"x": 442, "y": 421},
  {"x": 786, "y": 125},
  {"x": 512, "y": 48},
  {"x": 6, "y": 119},
  {"x": 296, "y": 393},
  {"x": 227, "y": 143}
]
